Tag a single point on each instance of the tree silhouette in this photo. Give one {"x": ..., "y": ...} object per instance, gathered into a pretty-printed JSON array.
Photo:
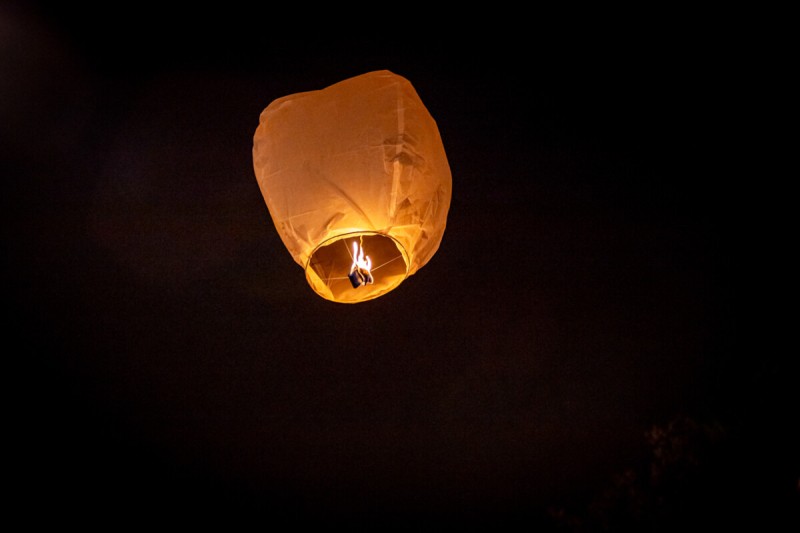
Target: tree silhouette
[{"x": 695, "y": 477}]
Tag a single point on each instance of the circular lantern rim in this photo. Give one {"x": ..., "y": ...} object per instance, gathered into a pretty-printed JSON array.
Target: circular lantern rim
[{"x": 309, "y": 271}]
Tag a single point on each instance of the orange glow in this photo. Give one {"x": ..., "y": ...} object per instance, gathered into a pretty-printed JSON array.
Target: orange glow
[{"x": 361, "y": 160}]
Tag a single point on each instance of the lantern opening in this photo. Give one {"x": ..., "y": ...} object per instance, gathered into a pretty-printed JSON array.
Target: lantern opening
[{"x": 340, "y": 269}]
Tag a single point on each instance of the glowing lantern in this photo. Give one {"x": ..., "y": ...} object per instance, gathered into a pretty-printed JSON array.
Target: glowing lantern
[{"x": 357, "y": 183}]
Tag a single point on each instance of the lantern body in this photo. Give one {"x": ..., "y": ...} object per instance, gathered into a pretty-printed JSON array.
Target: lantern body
[{"x": 359, "y": 162}]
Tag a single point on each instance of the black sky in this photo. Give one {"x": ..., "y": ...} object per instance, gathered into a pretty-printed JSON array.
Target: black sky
[{"x": 170, "y": 362}]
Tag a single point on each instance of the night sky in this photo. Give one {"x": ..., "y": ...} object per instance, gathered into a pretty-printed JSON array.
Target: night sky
[{"x": 573, "y": 357}]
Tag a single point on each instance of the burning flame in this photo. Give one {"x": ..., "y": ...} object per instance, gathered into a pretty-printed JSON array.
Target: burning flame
[
  {"x": 360, "y": 269},
  {"x": 359, "y": 261}
]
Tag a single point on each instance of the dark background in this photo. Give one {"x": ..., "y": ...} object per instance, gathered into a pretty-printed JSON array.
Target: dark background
[{"x": 574, "y": 356}]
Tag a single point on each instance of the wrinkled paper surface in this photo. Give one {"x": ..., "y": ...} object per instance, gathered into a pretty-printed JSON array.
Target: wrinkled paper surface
[{"x": 361, "y": 156}]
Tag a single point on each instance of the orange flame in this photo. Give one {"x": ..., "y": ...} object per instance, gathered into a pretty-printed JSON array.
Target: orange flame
[{"x": 360, "y": 269}]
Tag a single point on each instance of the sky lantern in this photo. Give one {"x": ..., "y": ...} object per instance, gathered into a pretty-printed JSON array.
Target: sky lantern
[{"x": 356, "y": 180}]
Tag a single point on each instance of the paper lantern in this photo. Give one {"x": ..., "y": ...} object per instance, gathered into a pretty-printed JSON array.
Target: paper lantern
[{"x": 357, "y": 183}]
